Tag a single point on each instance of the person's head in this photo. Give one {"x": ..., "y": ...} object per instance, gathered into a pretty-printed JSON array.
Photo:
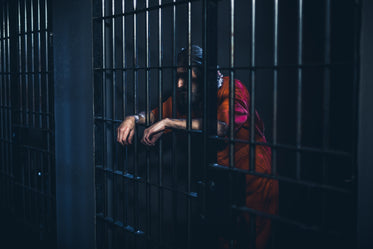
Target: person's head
[{"x": 196, "y": 80}]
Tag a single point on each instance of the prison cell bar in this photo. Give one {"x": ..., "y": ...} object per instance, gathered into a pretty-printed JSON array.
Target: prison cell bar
[
  {"x": 252, "y": 168},
  {"x": 189, "y": 125},
  {"x": 39, "y": 63},
  {"x": 326, "y": 105},
  {"x": 173, "y": 159},
  {"x": 41, "y": 170},
  {"x": 135, "y": 82},
  {"x": 117, "y": 75},
  {"x": 147, "y": 122},
  {"x": 274, "y": 118},
  {"x": 104, "y": 113},
  {"x": 10, "y": 106},
  {"x": 26, "y": 64},
  {"x": 160, "y": 154},
  {"x": 275, "y": 83},
  {"x": 5, "y": 104},
  {"x": 49, "y": 101},
  {"x": 25, "y": 42},
  {"x": 231, "y": 115},
  {"x": 20, "y": 83},
  {"x": 124, "y": 101},
  {"x": 299, "y": 89},
  {"x": 6, "y": 66},
  {"x": 3, "y": 119},
  {"x": 32, "y": 66},
  {"x": 357, "y": 16},
  {"x": 2, "y": 125}
]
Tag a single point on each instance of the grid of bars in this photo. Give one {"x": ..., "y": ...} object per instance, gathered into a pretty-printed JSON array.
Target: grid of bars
[
  {"x": 131, "y": 182},
  {"x": 28, "y": 175}
]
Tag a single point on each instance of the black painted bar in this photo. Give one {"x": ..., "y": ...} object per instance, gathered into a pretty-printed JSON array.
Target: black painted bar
[
  {"x": 232, "y": 96},
  {"x": 326, "y": 103},
  {"x": 299, "y": 89},
  {"x": 275, "y": 87},
  {"x": 72, "y": 45},
  {"x": 160, "y": 152},
  {"x": 252, "y": 92}
]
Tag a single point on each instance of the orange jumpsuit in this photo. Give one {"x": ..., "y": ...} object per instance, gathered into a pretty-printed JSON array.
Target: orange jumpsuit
[{"x": 261, "y": 193}]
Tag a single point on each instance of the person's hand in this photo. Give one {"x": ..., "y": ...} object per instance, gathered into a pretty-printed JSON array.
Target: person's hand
[
  {"x": 126, "y": 130},
  {"x": 154, "y": 132}
]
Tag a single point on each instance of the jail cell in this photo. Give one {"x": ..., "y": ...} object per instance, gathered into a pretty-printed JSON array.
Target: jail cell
[
  {"x": 300, "y": 68},
  {"x": 27, "y": 117}
]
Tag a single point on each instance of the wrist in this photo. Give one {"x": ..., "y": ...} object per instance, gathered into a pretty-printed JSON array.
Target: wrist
[
  {"x": 135, "y": 118},
  {"x": 167, "y": 123}
]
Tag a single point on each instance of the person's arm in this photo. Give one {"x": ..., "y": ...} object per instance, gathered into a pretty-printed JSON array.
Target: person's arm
[
  {"x": 181, "y": 124},
  {"x": 152, "y": 134},
  {"x": 126, "y": 129}
]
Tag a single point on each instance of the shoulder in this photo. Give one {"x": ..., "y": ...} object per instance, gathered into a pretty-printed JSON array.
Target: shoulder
[{"x": 240, "y": 89}]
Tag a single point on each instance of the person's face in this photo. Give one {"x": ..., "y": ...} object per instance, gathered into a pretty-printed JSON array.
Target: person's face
[
  {"x": 182, "y": 79},
  {"x": 182, "y": 90}
]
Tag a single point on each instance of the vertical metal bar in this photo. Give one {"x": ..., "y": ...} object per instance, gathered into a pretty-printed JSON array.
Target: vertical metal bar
[
  {"x": 252, "y": 225},
  {"x": 326, "y": 104},
  {"x": 2, "y": 125},
  {"x": 135, "y": 82},
  {"x": 10, "y": 118},
  {"x": 173, "y": 159},
  {"x": 124, "y": 101},
  {"x": 275, "y": 91},
  {"x": 160, "y": 154},
  {"x": 39, "y": 66},
  {"x": 189, "y": 123},
  {"x": 359, "y": 44},
  {"x": 104, "y": 158},
  {"x": 30, "y": 93},
  {"x": 32, "y": 66},
  {"x": 232, "y": 89},
  {"x": 9, "y": 110},
  {"x": 20, "y": 64},
  {"x": 5, "y": 101},
  {"x": 48, "y": 97},
  {"x": 299, "y": 98},
  {"x": 252, "y": 100},
  {"x": 275, "y": 81},
  {"x": 42, "y": 169},
  {"x": 22, "y": 76},
  {"x": 2, "y": 108},
  {"x": 114, "y": 182},
  {"x": 147, "y": 118},
  {"x": 26, "y": 71}
]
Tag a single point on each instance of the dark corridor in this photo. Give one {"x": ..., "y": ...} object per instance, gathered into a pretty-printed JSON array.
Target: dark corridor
[{"x": 72, "y": 71}]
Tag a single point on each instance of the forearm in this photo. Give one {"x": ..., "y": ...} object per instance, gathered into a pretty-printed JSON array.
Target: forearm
[{"x": 181, "y": 124}]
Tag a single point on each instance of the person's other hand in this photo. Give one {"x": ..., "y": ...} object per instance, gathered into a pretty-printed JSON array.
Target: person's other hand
[
  {"x": 154, "y": 132},
  {"x": 126, "y": 130}
]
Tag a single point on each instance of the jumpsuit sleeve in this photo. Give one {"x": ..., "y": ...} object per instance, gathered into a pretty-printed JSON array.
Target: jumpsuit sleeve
[{"x": 241, "y": 104}]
